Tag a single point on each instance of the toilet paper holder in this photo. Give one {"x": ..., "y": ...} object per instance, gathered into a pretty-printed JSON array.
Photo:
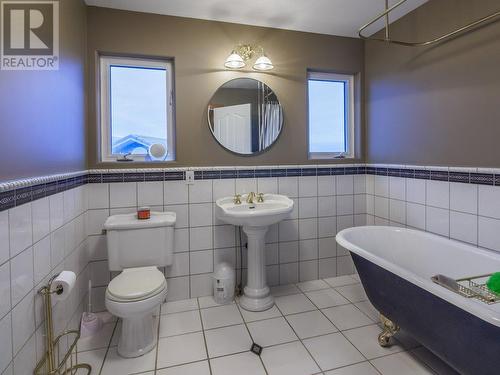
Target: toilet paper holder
[{"x": 53, "y": 363}]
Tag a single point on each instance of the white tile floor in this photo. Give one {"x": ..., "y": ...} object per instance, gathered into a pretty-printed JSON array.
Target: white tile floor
[{"x": 316, "y": 327}]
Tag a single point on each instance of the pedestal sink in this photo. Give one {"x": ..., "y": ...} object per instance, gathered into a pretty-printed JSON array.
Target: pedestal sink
[{"x": 255, "y": 218}]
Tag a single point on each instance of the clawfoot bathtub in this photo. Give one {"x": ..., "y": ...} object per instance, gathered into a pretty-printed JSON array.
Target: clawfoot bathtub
[{"x": 395, "y": 266}]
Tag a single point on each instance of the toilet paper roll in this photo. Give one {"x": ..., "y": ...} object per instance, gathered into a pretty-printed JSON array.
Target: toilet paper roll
[{"x": 62, "y": 285}]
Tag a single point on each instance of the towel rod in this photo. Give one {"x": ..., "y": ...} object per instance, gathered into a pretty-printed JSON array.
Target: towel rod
[{"x": 441, "y": 38}]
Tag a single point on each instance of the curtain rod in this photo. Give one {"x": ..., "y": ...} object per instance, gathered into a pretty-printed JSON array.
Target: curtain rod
[{"x": 387, "y": 38}]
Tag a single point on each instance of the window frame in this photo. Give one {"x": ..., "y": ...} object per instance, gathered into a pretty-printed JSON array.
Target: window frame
[
  {"x": 105, "y": 61},
  {"x": 349, "y": 110}
]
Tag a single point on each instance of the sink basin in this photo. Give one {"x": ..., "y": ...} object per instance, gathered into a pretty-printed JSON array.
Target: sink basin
[
  {"x": 255, "y": 218},
  {"x": 274, "y": 209}
]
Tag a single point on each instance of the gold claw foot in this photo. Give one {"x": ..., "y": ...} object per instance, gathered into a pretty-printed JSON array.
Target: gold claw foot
[{"x": 390, "y": 329}]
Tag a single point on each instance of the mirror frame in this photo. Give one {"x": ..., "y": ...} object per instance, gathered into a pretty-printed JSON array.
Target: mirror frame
[{"x": 257, "y": 153}]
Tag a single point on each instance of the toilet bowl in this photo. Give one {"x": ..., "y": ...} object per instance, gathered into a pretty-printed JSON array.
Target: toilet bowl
[
  {"x": 134, "y": 296},
  {"x": 137, "y": 248}
]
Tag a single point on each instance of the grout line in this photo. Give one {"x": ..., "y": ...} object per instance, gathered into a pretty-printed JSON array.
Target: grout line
[
  {"x": 298, "y": 338},
  {"x": 336, "y": 326},
  {"x": 107, "y": 348},
  {"x": 251, "y": 338},
  {"x": 204, "y": 337},
  {"x": 157, "y": 338}
]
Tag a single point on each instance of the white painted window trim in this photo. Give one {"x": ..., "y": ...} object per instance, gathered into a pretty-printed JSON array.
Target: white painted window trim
[
  {"x": 348, "y": 79},
  {"x": 104, "y": 102}
]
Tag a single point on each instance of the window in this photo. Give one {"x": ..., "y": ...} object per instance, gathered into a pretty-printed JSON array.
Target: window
[
  {"x": 136, "y": 109},
  {"x": 331, "y": 115}
]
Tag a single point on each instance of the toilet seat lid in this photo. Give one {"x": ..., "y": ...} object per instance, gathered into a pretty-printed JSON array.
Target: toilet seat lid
[{"x": 136, "y": 283}]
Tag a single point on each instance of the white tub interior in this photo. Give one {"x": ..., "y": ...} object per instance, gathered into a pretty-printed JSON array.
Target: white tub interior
[{"x": 416, "y": 256}]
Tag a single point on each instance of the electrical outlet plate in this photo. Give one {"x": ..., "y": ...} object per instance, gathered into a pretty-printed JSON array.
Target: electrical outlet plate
[{"x": 189, "y": 177}]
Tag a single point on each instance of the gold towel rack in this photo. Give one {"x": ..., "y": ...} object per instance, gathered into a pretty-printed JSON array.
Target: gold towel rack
[{"x": 441, "y": 38}]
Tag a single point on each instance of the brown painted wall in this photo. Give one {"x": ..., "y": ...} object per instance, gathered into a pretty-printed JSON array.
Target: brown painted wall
[
  {"x": 200, "y": 48},
  {"x": 42, "y": 113},
  {"x": 436, "y": 105}
]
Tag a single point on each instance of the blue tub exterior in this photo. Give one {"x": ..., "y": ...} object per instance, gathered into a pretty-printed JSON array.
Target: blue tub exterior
[{"x": 468, "y": 344}]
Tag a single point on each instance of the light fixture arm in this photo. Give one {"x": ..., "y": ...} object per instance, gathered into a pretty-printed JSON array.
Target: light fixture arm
[{"x": 247, "y": 51}]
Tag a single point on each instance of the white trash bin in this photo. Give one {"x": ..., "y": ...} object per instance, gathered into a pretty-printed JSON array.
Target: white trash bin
[{"x": 224, "y": 283}]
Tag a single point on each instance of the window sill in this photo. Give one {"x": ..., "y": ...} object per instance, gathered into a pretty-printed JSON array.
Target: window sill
[
  {"x": 135, "y": 163},
  {"x": 134, "y": 160},
  {"x": 329, "y": 156}
]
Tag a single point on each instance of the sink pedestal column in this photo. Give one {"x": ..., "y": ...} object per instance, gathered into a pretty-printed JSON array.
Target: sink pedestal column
[{"x": 256, "y": 293}]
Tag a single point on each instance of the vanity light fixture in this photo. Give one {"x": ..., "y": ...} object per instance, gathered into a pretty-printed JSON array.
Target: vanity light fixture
[
  {"x": 263, "y": 63},
  {"x": 234, "y": 61},
  {"x": 244, "y": 52}
]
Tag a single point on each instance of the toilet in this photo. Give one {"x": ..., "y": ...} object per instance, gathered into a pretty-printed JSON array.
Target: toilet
[{"x": 137, "y": 248}]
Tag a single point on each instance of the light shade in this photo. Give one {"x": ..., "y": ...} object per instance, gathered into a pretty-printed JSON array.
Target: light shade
[
  {"x": 234, "y": 61},
  {"x": 263, "y": 63}
]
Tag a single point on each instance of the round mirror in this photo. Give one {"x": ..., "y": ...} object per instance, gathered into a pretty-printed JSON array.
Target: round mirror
[{"x": 245, "y": 116}]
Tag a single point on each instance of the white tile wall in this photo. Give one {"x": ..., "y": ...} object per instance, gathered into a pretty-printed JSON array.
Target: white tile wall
[
  {"x": 175, "y": 192},
  {"x": 465, "y": 212},
  {"x": 123, "y": 194},
  {"x": 489, "y": 201},
  {"x": 37, "y": 240},
  {"x": 323, "y": 205},
  {"x": 21, "y": 275},
  {"x": 438, "y": 194},
  {"x": 488, "y": 230},
  {"x": 150, "y": 193},
  {"x": 41, "y": 218},
  {"x": 20, "y": 229},
  {"x": 415, "y": 190},
  {"x": 64, "y": 231},
  {"x": 56, "y": 208},
  {"x": 463, "y": 197},
  {"x": 5, "y": 289},
  {"x": 463, "y": 227}
]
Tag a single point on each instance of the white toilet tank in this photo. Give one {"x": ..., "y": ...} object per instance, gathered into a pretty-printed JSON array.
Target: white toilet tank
[{"x": 140, "y": 243}]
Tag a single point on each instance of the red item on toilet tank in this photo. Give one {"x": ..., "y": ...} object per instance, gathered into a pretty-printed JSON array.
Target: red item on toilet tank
[{"x": 143, "y": 213}]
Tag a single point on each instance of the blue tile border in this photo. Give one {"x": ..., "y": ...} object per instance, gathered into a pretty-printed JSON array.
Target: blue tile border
[
  {"x": 262, "y": 173},
  {"x": 279, "y": 172},
  {"x": 174, "y": 176},
  {"x": 227, "y": 173},
  {"x": 211, "y": 175},
  {"x": 38, "y": 191},
  {"x": 293, "y": 172},
  {"x": 482, "y": 179},
  {"x": 7, "y": 200},
  {"x": 18, "y": 196},
  {"x": 440, "y": 175},
  {"x": 24, "y": 195},
  {"x": 245, "y": 173}
]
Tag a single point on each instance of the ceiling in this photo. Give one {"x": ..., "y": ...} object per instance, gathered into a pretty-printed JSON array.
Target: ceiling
[{"x": 333, "y": 17}]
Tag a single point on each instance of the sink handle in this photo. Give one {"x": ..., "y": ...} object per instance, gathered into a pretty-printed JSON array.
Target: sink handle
[
  {"x": 260, "y": 197},
  {"x": 237, "y": 199}
]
